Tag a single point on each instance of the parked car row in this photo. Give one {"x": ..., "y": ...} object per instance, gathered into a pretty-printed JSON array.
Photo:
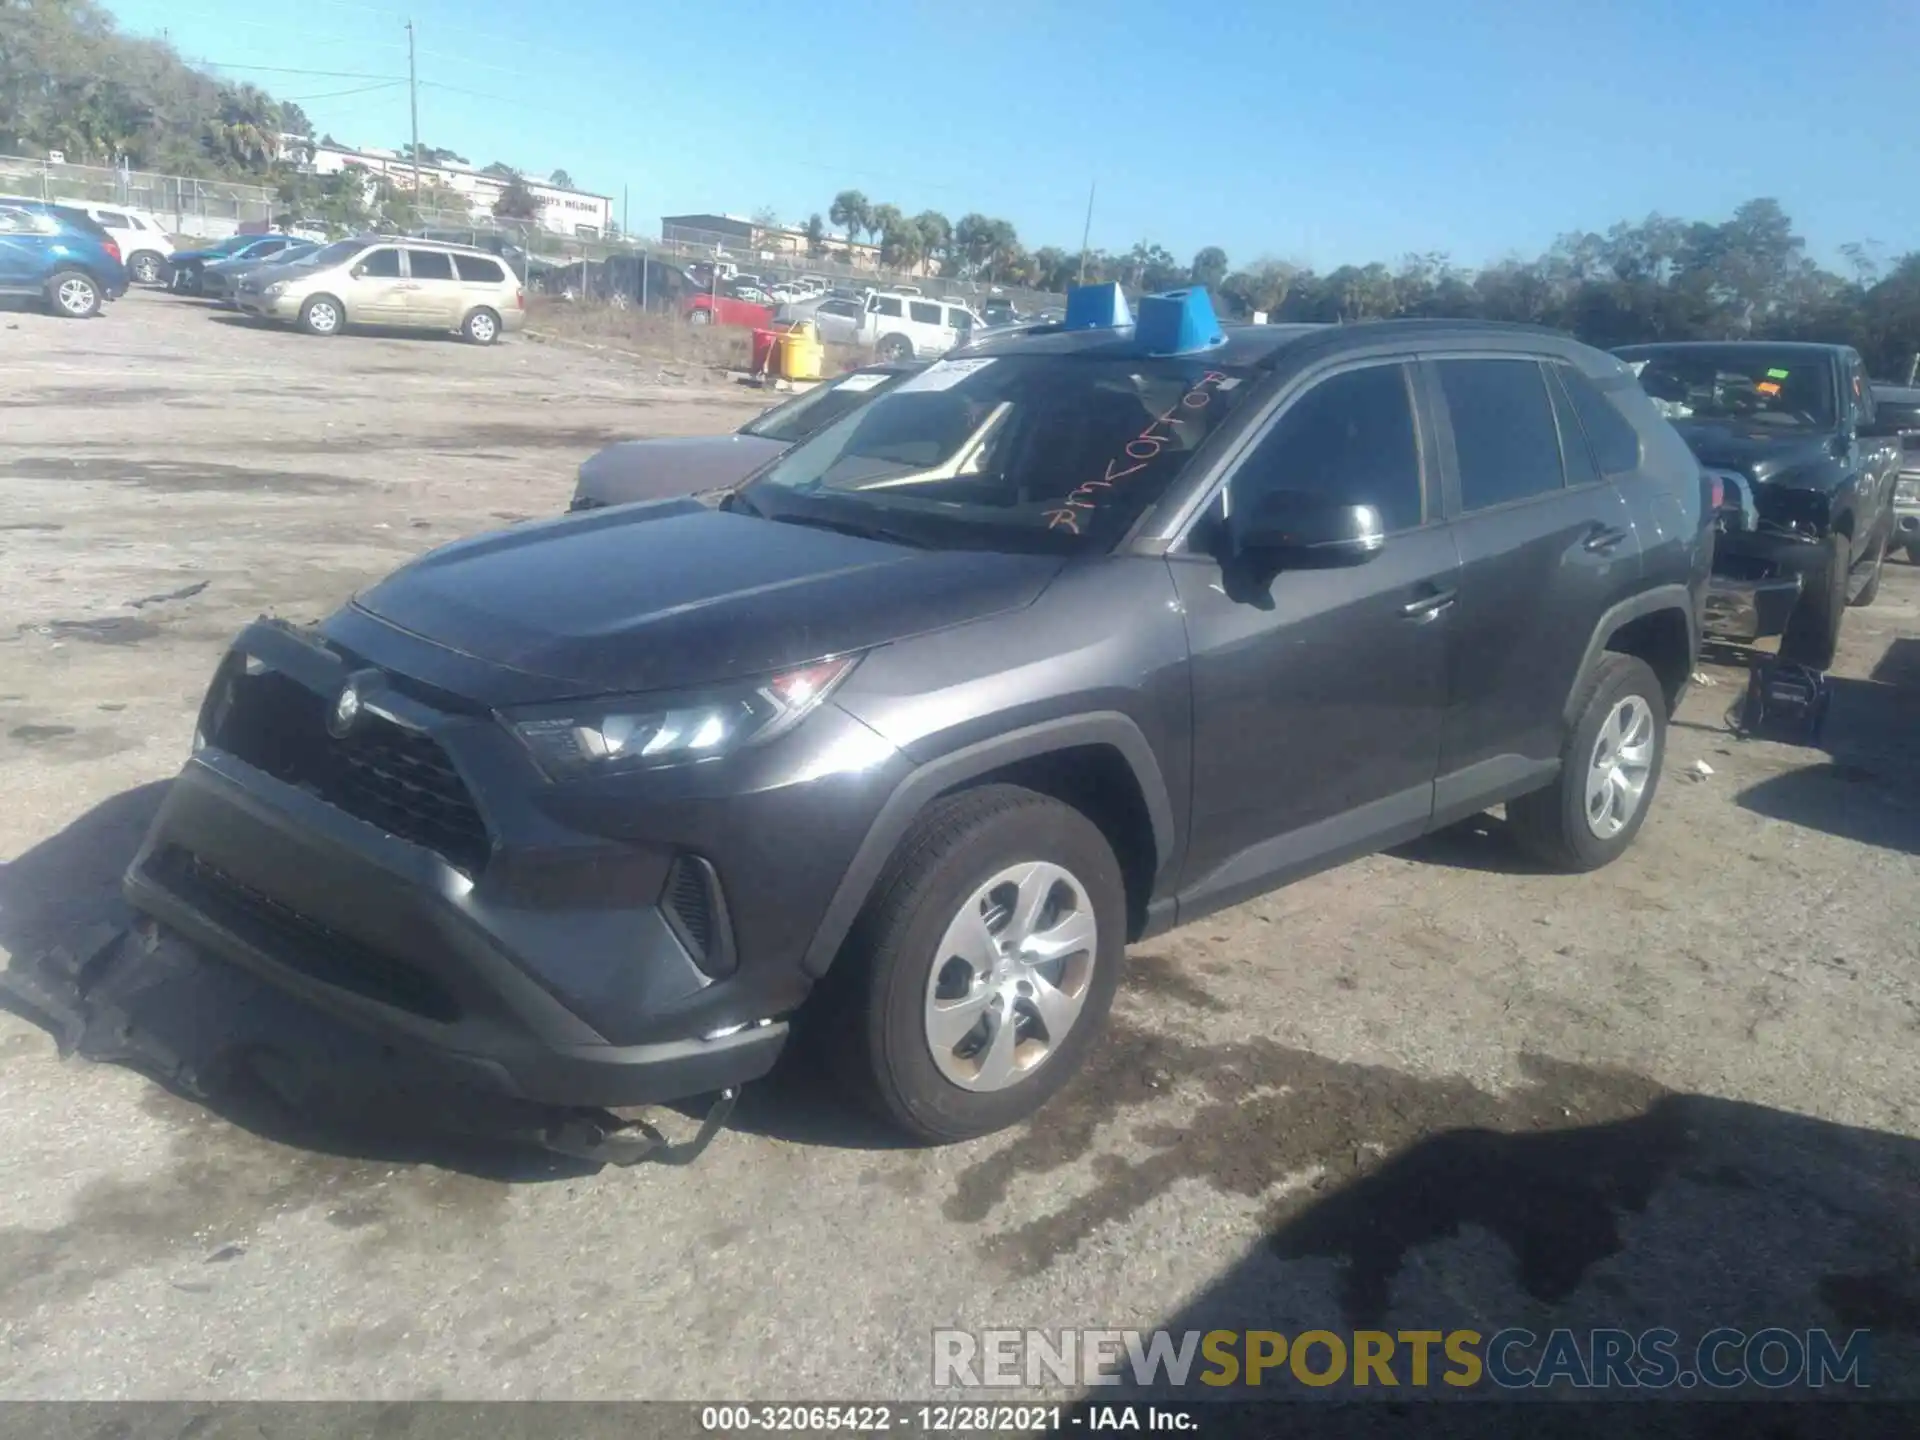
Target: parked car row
[{"x": 371, "y": 282}]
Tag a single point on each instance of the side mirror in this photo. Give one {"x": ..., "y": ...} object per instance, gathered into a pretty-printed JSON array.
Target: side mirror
[{"x": 1300, "y": 529}]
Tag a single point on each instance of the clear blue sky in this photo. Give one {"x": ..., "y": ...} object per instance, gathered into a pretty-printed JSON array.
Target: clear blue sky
[{"x": 1318, "y": 132}]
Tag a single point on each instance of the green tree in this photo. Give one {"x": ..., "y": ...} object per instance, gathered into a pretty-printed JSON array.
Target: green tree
[
  {"x": 1209, "y": 267},
  {"x": 852, "y": 212},
  {"x": 561, "y": 180},
  {"x": 517, "y": 202},
  {"x": 936, "y": 236},
  {"x": 816, "y": 235}
]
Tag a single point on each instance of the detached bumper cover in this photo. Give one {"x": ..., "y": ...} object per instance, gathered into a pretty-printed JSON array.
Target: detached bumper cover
[{"x": 1758, "y": 573}]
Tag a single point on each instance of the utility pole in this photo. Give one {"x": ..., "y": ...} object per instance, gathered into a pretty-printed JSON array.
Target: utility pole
[
  {"x": 1086, "y": 233},
  {"x": 625, "y": 234},
  {"x": 413, "y": 107}
]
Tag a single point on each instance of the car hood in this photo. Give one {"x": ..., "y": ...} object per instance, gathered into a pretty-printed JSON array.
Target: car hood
[
  {"x": 1756, "y": 451},
  {"x": 665, "y": 596},
  {"x": 667, "y": 469}
]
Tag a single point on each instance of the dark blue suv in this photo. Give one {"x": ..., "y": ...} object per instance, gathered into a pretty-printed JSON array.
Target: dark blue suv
[{"x": 58, "y": 254}]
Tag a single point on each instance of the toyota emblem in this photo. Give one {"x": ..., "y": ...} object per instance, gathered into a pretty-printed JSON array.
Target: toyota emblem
[{"x": 346, "y": 710}]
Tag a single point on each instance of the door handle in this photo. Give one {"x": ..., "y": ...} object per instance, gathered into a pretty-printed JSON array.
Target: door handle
[
  {"x": 1428, "y": 606},
  {"x": 1603, "y": 538}
]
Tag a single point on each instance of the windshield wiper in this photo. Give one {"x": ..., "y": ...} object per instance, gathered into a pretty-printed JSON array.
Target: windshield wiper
[{"x": 852, "y": 527}]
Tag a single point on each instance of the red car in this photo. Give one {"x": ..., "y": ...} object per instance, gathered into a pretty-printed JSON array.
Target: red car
[{"x": 725, "y": 310}]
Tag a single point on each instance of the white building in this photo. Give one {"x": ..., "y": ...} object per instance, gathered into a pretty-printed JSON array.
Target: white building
[{"x": 573, "y": 213}]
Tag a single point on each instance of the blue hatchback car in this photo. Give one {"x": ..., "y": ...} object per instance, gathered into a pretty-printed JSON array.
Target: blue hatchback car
[{"x": 59, "y": 255}]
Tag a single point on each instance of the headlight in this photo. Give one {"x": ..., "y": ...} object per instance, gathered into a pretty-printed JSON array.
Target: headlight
[
  {"x": 273, "y": 291},
  {"x": 646, "y": 732},
  {"x": 1907, "y": 491}
]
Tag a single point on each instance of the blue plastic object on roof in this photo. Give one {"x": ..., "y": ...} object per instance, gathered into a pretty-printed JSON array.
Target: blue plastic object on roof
[
  {"x": 1178, "y": 323},
  {"x": 1096, "y": 307}
]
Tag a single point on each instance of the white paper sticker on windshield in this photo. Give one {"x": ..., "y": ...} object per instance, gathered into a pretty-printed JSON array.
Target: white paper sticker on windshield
[
  {"x": 857, "y": 383},
  {"x": 943, "y": 374}
]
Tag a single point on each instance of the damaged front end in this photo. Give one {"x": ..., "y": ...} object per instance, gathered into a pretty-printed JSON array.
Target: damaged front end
[{"x": 1769, "y": 538}]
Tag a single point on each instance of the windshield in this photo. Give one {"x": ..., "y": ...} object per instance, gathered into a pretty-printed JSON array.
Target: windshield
[
  {"x": 234, "y": 243},
  {"x": 337, "y": 253},
  {"x": 819, "y": 407},
  {"x": 1747, "y": 383},
  {"x": 1048, "y": 451}
]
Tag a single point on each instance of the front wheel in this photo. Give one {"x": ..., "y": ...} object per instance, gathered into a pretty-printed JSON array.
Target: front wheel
[
  {"x": 1812, "y": 636},
  {"x": 482, "y": 327},
  {"x": 73, "y": 295},
  {"x": 1871, "y": 588},
  {"x": 322, "y": 316},
  {"x": 988, "y": 959},
  {"x": 700, "y": 317},
  {"x": 1609, "y": 771}
]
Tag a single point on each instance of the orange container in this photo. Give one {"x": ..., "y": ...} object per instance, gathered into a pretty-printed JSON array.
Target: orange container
[{"x": 764, "y": 342}]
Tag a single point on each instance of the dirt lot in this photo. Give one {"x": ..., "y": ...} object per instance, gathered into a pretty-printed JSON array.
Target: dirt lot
[{"x": 1430, "y": 1090}]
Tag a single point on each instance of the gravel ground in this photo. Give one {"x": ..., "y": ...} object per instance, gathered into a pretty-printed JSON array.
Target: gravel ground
[{"x": 1434, "y": 1089}]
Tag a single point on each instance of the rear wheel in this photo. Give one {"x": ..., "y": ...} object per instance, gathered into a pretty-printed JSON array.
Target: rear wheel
[
  {"x": 1609, "y": 771},
  {"x": 73, "y": 295},
  {"x": 145, "y": 267},
  {"x": 322, "y": 315},
  {"x": 987, "y": 961},
  {"x": 1812, "y": 636},
  {"x": 482, "y": 327},
  {"x": 895, "y": 349}
]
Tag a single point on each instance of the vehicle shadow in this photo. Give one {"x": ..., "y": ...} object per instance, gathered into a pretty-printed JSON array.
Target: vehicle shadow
[
  {"x": 1868, "y": 788},
  {"x": 219, "y": 1038},
  {"x": 1677, "y": 1211},
  {"x": 1480, "y": 842}
]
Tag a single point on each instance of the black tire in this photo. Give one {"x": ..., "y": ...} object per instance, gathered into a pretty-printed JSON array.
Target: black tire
[
  {"x": 73, "y": 295},
  {"x": 895, "y": 350},
  {"x": 1552, "y": 824},
  {"x": 481, "y": 327},
  {"x": 699, "y": 317},
  {"x": 146, "y": 267},
  {"x": 1867, "y": 592},
  {"x": 879, "y": 1043},
  {"x": 1913, "y": 554},
  {"x": 314, "y": 316},
  {"x": 1812, "y": 636}
]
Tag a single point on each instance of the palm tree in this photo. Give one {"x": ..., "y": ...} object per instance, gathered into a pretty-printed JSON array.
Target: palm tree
[
  {"x": 936, "y": 235},
  {"x": 851, "y": 212},
  {"x": 245, "y": 129}
]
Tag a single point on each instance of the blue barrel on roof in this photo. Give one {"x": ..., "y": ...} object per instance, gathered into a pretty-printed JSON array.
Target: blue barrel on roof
[
  {"x": 1096, "y": 307},
  {"x": 1178, "y": 322}
]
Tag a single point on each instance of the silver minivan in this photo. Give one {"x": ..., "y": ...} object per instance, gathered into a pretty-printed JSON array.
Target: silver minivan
[{"x": 397, "y": 284}]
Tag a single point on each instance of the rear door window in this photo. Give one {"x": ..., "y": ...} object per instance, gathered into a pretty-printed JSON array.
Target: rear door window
[
  {"x": 113, "y": 219},
  {"x": 923, "y": 313},
  {"x": 1504, "y": 439},
  {"x": 478, "y": 269},
  {"x": 886, "y": 305},
  {"x": 1574, "y": 450},
  {"x": 430, "y": 264}
]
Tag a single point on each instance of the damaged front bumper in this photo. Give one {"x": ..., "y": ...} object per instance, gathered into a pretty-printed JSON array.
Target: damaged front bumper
[
  {"x": 1759, "y": 569},
  {"x": 142, "y": 997}
]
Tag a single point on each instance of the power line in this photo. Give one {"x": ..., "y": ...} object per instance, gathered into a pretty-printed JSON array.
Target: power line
[
  {"x": 337, "y": 94},
  {"x": 295, "y": 70}
]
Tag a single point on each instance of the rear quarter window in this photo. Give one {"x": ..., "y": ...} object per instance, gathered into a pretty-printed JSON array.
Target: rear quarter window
[
  {"x": 1615, "y": 443},
  {"x": 923, "y": 313}
]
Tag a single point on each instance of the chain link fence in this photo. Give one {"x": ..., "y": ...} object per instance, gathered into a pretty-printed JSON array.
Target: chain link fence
[{"x": 207, "y": 209}]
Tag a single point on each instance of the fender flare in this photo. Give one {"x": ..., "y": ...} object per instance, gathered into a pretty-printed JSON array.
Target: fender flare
[
  {"x": 1647, "y": 602},
  {"x": 937, "y": 776}
]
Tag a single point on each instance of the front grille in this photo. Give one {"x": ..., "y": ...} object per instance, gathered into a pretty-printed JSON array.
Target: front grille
[
  {"x": 299, "y": 941},
  {"x": 395, "y": 778}
]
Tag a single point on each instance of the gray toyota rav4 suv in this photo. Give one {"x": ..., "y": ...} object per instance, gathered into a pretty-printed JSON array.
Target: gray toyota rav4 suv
[{"x": 1080, "y": 633}]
